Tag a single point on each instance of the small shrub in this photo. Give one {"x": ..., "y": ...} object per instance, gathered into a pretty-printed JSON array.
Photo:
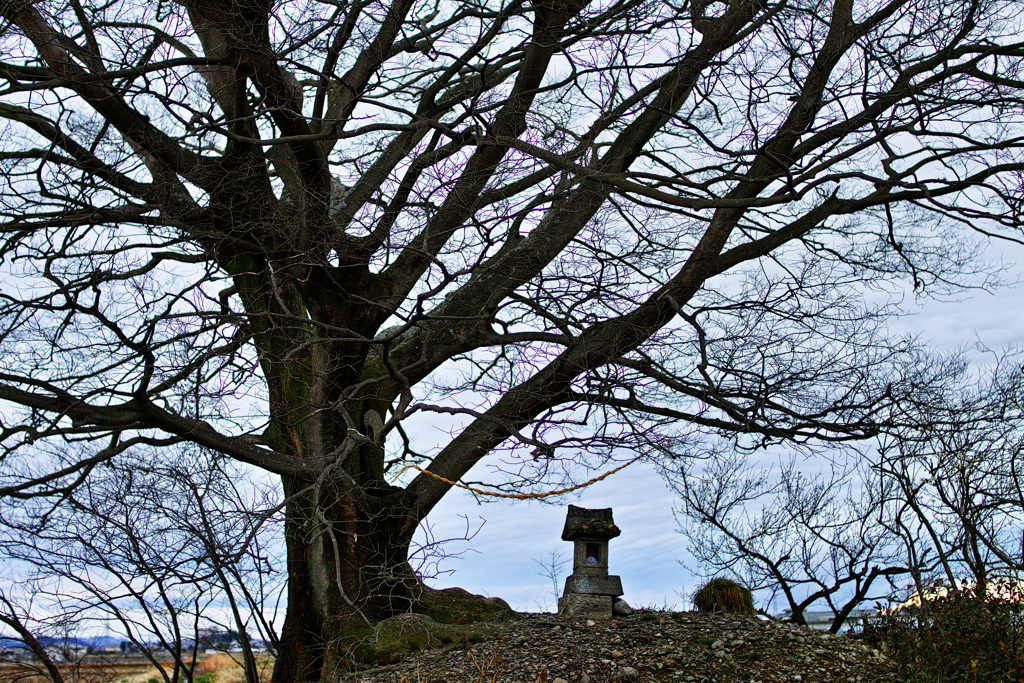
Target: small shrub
[
  {"x": 724, "y": 595},
  {"x": 960, "y": 636}
]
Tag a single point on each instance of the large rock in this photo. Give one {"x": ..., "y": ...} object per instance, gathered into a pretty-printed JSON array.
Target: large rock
[
  {"x": 459, "y": 606},
  {"x": 621, "y": 608},
  {"x": 441, "y": 616},
  {"x": 627, "y": 673},
  {"x": 393, "y": 637}
]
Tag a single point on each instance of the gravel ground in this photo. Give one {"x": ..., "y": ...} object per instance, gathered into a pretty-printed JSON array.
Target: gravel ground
[{"x": 648, "y": 646}]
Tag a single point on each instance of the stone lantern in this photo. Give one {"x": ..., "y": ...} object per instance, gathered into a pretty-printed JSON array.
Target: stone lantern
[{"x": 589, "y": 591}]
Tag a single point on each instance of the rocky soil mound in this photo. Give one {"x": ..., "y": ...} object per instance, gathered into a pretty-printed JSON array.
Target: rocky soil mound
[{"x": 645, "y": 646}]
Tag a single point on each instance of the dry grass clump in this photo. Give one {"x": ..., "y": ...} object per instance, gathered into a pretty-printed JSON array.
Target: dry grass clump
[{"x": 724, "y": 595}]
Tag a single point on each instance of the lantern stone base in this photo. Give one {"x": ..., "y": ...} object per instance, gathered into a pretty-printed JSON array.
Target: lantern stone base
[{"x": 581, "y": 605}]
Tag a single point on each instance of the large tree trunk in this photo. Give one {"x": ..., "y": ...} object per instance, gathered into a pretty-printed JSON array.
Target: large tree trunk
[{"x": 347, "y": 570}]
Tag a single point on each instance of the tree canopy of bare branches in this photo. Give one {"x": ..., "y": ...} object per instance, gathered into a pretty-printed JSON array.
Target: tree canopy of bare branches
[{"x": 283, "y": 233}]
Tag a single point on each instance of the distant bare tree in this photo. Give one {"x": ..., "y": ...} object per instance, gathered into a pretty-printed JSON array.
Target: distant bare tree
[
  {"x": 550, "y": 567},
  {"x": 958, "y": 462}
]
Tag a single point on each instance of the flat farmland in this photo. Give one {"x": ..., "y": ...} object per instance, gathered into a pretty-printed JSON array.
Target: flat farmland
[{"x": 130, "y": 669}]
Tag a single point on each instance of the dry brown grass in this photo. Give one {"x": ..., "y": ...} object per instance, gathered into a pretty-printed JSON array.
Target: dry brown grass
[
  {"x": 218, "y": 663},
  {"x": 87, "y": 672},
  {"x": 228, "y": 670}
]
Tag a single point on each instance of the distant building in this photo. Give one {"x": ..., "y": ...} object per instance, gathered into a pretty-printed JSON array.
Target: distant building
[
  {"x": 56, "y": 654},
  {"x": 823, "y": 620},
  {"x": 15, "y": 651},
  {"x": 1005, "y": 589}
]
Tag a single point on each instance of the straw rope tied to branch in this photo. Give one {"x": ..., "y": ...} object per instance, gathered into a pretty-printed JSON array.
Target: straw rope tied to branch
[{"x": 522, "y": 496}]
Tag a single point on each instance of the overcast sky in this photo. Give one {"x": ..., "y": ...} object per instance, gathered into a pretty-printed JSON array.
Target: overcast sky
[{"x": 646, "y": 556}]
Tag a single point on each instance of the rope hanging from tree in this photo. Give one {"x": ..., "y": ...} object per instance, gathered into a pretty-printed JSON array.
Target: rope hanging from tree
[{"x": 521, "y": 496}]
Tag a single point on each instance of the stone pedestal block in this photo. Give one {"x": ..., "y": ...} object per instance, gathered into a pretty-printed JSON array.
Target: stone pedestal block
[{"x": 588, "y": 606}]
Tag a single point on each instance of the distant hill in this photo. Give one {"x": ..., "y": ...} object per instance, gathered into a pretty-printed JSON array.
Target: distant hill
[{"x": 8, "y": 641}]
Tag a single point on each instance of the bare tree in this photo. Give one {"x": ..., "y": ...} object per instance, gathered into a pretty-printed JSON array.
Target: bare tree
[
  {"x": 821, "y": 538},
  {"x": 279, "y": 232},
  {"x": 159, "y": 553},
  {"x": 936, "y": 498},
  {"x": 956, "y": 460}
]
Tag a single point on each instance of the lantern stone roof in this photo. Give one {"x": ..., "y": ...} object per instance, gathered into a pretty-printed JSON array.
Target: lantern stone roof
[{"x": 592, "y": 523}]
